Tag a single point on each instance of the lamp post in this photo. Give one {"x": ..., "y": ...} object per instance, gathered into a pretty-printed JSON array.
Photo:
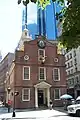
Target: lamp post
[
  {"x": 9, "y": 103},
  {"x": 14, "y": 95},
  {"x": 8, "y": 91}
]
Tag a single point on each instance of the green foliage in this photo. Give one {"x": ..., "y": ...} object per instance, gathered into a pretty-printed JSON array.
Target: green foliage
[
  {"x": 40, "y": 3},
  {"x": 71, "y": 25}
]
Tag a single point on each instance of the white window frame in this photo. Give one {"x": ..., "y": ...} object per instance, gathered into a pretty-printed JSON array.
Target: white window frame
[
  {"x": 39, "y": 54},
  {"x": 59, "y": 94},
  {"x": 23, "y": 94},
  {"x": 44, "y": 73},
  {"x": 58, "y": 74},
  {"x": 23, "y": 72}
]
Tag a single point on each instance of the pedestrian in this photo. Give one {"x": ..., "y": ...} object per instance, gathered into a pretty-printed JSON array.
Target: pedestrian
[
  {"x": 51, "y": 104},
  {"x": 9, "y": 105}
]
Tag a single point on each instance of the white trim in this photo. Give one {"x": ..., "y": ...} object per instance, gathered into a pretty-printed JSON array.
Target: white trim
[
  {"x": 59, "y": 93},
  {"x": 44, "y": 73},
  {"x": 23, "y": 72},
  {"x": 58, "y": 74},
  {"x": 26, "y": 57},
  {"x": 55, "y": 59},
  {"x": 23, "y": 94},
  {"x": 47, "y": 85}
]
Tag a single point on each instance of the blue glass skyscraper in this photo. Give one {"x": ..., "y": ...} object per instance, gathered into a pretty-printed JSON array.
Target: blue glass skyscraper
[{"x": 46, "y": 20}]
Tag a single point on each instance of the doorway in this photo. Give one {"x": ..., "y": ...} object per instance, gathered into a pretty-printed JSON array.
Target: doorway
[
  {"x": 40, "y": 97},
  {"x": 78, "y": 93}
]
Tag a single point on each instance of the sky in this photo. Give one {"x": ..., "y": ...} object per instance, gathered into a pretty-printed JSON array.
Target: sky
[{"x": 11, "y": 24}]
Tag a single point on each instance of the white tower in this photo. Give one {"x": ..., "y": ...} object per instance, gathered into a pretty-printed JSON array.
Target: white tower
[{"x": 24, "y": 37}]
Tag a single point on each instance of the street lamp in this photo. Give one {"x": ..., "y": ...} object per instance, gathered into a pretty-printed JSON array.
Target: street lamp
[
  {"x": 14, "y": 94},
  {"x": 9, "y": 103},
  {"x": 8, "y": 90}
]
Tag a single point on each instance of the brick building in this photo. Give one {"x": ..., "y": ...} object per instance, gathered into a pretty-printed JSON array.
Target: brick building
[
  {"x": 4, "y": 68},
  {"x": 38, "y": 74}
]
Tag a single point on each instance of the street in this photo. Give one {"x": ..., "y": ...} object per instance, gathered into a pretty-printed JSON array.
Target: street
[{"x": 38, "y": 115}]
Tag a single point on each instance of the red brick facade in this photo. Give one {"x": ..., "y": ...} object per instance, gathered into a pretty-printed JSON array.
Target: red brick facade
[{"x": 42, "y": 88}]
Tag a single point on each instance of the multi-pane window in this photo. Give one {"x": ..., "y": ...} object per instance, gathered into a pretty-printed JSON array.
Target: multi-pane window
[
  {"x": 70, "y": 55},
  {"x": 68, "y": 64},
  {"x": 76, "y": 69},
  {"x": 75, "y": 61},
  {"x": 25, "y": 94},
  {"x": 41, "y": 52},
  {"x": 74, "y": 53},
  {"x": 57, "y": 94},
  {"x": 26, "y": 73},
  {"x": 67, "y": 57},
  {"x": 42, "y": 73},
  {"x": 56, "y": 74},
  {"x": 68, "y": 72},
  {"x": 71, "y": 63},
  {"x": 71, "y": 71},
  {"x": 77, "y": 79}
]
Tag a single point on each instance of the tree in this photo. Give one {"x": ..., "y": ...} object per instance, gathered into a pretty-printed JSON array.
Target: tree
[
  {"x": 71, "y": 31},
  {"x": 70, "y": 15}
]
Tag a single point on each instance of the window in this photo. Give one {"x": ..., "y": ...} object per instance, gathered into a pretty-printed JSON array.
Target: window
[
  {"x": 76, "y": 69},
  {"x": 57, "y": 94},
  {"x": 71, "y": 63},
  {"x": 42, "y": 73},
  {"x": 72, "y": 81},
  {"x": 56, "y": 74},
  {"x": 71, "y": 71},
  {"x": 77, "y": 79},
  {"x": 41, "y": 52},
  {"x": 67, "y": 57},
  {"x": 25, "y": 33},
  {"x": 68, "y": 64},
  {"x": 25, "y": 94},
  {"x": 68, "y": 72},
  {"x": 75, "y": 61},
  {"x": 74, "y": 53},
  {"x": 70, "y": 55},
  {"x": 26, "y": 73}
]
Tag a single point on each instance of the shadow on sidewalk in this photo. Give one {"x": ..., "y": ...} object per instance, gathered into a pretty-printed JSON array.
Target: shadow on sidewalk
[{"x": 61, "y": 109}]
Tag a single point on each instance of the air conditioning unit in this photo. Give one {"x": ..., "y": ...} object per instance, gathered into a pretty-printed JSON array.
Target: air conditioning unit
[
  {"x": 26, "y": 57},
  {"x": 55, "y": 59}
]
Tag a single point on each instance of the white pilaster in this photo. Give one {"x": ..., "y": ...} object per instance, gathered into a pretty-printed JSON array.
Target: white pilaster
[
  {"x": 36, "y": 98},
  {"x": 48, "y": 97}
]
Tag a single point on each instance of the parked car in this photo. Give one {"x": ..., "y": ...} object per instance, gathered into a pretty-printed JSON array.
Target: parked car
[{"x": 74, "y": 109}]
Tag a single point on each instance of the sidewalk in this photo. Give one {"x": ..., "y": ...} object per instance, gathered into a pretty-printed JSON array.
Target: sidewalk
[
  {"x": 40, "y": 114},
  {"x": 5, "y": 110},
  {"x": 61, "y": 109}
]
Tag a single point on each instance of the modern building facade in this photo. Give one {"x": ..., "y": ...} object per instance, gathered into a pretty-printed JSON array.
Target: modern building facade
[
  {"x": 46, "y": 20},
  {"x": 4, "y": 68},
  {"x": 72, "y": 61},
  {"x": 38, "y": 74}
]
